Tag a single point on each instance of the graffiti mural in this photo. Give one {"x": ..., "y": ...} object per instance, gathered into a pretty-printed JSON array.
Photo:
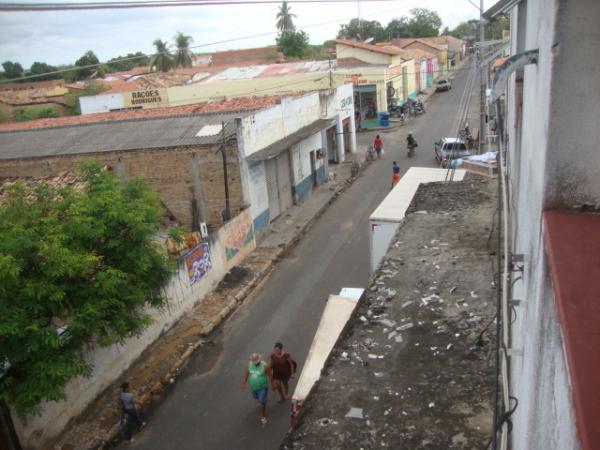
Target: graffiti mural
[
  {"x": 198, "y": 262},
  {"x": 237, "y": 235}
]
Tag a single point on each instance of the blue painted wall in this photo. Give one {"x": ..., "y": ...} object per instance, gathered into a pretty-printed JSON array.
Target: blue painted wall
[
  {"x": 304, "y": 188},
  {"x": 321, "y": 176},
  {"x": 261, "y": 220}
]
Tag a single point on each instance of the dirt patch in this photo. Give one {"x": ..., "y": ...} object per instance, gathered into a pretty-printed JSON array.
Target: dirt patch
[
  {"x": 416, "y": 365},
  {"x": 234, "y": 278}
]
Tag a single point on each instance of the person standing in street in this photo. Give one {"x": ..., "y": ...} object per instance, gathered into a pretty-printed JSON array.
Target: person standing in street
[
  {"x": 130, "y": 417},
  {"x": 283, "y": 368},
  {"x": 395, "y": 174},
  {"x": 378, "y": 144},
  {"x": 258, "y": 375}
]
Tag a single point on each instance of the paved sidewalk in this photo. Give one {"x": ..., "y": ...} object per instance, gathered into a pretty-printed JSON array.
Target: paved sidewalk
[{"x": 158, "y": 367}]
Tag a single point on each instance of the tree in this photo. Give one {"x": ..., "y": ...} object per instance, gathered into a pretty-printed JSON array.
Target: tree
[
  {"x": 494, "y": 30},
  {"x": 136, "y": 59},
  {"x": 424, "y": 23},
  {"x": 162, "y": 60},
  {"x": 88, "y": 59},
  {"x": 464, "y": 29},
  {"x": 293, "y": 44},
  {"x": 41, "y": 68},
  {"x": 183, "y": 55},
  {"x": 77, "y": 267},
  {"x": 362, "y": 30},
  {"x": 398, "y": 28},
  {"x": 284, "y": 18},
  {"x": 12, "y": 69}
]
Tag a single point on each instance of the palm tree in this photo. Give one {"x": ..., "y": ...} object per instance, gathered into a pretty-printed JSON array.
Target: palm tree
[
  {"x": 284, "y": 18},
  {"x": 162, "y": 60},
  {"x": 183, "y": 55}
]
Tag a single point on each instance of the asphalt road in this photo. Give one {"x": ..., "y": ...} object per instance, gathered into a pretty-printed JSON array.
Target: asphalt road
[{"x": 207, "y": 409}]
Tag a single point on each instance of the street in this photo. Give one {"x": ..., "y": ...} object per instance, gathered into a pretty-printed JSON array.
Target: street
[{"x": 207, "y": 409}]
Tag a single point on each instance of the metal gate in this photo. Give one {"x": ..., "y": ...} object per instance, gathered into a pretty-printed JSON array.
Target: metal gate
[
  {"x": 284, "y": 180},
  {"x": 273, "y": 192}
]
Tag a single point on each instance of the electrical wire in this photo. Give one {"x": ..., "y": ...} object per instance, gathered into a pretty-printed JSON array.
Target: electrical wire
[
  {"x": 207, "y": 44},
  {"x": 70, "y": 6}
]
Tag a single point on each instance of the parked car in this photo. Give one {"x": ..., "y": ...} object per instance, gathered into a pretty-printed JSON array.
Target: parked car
[
  {"x": 443, "y": 84},
  {"x": 447, "y": 149}
]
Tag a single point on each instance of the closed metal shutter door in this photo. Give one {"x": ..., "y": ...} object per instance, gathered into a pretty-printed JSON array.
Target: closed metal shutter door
[
  {"x": 271, "y": 175},
  {"x": 284, "y": 180}
]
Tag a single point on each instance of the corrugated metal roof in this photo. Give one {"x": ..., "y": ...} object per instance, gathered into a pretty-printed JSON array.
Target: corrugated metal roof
[
  {"x": 276, "y": 148},
  {"x": 112, "y": 136}
]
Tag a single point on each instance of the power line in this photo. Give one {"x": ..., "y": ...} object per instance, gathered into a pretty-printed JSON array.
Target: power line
[
  {"x": 33, "y": 7},
  {"x": 208, "y": 44}
]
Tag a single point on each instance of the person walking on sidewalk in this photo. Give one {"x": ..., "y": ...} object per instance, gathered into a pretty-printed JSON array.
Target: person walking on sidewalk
[
  {"x": 258, "y": 374},
  {"x": 378, "y": 144},
  {"x": 283, "y": 368},
  {"x": 395, "y": 174},
  {"x": 129, "y": 416}
]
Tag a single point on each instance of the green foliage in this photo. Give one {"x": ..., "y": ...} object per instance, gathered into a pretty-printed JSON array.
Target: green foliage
[
  {"x": 12, "y": 69},
  {"x": 77, "y": 267},
  {"x": 285, "y": 18},
  {"x": 88, "y": 58},
  {"x": 469, "y": 28},
  {"x": 424, "y": 23},
  {"x": 115, "y": 65},
  {"x": 398, "y": 28},
  {"x": 162, "y": 59},
  {"x": 178, "y": 234},
  {"x": 183, "y": 54},
  {"x": 362, "y": 30},
  {"x": 72, "y": 98},
  {"x": 293, "y": 44},
  {"x": 493, "y": 31},
  {"x": 24, "y": 114},
  {"x": 41, "y": 68}
]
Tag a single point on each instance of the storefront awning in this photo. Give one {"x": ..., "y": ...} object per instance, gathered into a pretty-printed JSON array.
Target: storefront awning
[{"x": 276, "y": 148}]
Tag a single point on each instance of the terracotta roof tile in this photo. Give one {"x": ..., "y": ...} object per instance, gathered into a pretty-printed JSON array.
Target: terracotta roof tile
[
  {"x": 370, "y": 47},
  {"x": 231, "y": 105}
]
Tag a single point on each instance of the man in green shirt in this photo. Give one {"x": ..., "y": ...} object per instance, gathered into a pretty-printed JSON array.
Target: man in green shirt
[{"x": 258, "y": 374}]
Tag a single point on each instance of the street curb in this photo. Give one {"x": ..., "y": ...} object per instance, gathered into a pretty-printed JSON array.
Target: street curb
[{"x": 232, "y": 302}]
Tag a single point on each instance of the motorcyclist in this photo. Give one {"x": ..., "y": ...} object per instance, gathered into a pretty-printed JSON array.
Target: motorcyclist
[
  {"x": 411, "y": 143},
  {"x": 410, "y": 140}
]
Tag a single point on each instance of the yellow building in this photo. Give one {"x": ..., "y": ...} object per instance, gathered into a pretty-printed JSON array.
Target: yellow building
[{"x": 381, "y": 76}]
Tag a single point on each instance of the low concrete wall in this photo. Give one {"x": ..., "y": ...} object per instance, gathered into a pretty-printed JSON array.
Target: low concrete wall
[{"x": 227, "y": 247}]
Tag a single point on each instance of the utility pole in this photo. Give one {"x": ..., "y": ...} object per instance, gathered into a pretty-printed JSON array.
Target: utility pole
[
  {"x": 227, "y": 212},
  {"x": 482, "y": 80}
]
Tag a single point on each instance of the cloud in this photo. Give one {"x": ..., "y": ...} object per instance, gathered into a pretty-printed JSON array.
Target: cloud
[{"x": 61, "y": 37}]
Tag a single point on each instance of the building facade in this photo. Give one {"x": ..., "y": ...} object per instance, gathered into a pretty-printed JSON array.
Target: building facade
[{"x": 553, "y": 176}]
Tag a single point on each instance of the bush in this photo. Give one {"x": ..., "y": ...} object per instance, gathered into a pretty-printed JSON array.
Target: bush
[{"x": 77, "y": 267}]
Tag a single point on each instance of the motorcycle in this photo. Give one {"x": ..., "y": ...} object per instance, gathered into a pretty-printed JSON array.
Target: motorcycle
[{"x": 410, "y": 150}]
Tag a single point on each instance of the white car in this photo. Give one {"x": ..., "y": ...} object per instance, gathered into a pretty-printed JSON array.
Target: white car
[
  {"x": 447, "y": 149},
  {"x": 443, "y": 84}
]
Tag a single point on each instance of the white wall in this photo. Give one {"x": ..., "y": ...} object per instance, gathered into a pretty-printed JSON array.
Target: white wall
[
  {"x": 553, "y": 163},
  {"x": 101, "y": 103},
  {"x": 257, "y": 187},
  {"x": 273, "y": 124},
  {"x": 109, "y": 363},
  {"x": 301, "y": 157}
]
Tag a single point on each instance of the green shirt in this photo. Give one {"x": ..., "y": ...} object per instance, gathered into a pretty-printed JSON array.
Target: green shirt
[{"x": 257, "y": 377}]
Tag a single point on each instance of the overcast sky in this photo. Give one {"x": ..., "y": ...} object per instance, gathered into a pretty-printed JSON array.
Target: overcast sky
[{"x": 61, "y": 37}]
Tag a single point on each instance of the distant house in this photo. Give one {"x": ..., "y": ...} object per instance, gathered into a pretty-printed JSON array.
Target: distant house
[
  {"x": 260, "y": 55},
  {"x": 33, "y": 95},
  {"x": 381, "y": 76},
  {"x": 440, "y": 51}
]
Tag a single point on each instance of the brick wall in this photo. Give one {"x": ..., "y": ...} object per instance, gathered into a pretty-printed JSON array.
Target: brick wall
[{"x": 169, "y": 170}]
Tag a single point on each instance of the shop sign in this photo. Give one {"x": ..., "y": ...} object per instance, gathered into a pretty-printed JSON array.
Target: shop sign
[
  {"x": 147, "y": 99},
  {"x": 346, "y": 102},
  {"x": 357, "y": 78}
]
